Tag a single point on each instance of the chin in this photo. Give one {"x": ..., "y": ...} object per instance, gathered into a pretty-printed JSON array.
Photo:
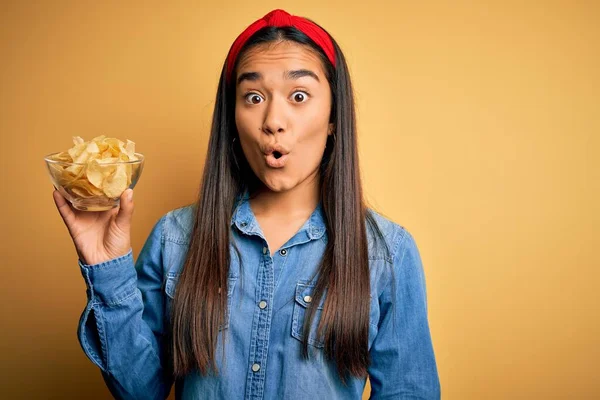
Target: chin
[{"x": 277, "y": 183}]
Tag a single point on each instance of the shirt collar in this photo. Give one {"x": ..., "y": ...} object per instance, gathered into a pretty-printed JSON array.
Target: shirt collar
[{"x": 243, "y": 218}]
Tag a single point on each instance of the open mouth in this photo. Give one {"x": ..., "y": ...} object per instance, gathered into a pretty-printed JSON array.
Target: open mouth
[
  {"x": 276, "y": 159},
  {"x": 276, "y": 155}
]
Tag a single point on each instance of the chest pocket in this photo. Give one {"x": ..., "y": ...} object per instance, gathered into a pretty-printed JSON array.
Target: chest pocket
[
  {"x": 304, "y": 297},
  {"x": 171, "y": 285}
]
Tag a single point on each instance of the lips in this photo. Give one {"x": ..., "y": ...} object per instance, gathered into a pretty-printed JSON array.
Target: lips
[
  {"x": 276, "y": 162},
  {"x": 275, "y": 148},
  {"x": 276, "y": 155}
]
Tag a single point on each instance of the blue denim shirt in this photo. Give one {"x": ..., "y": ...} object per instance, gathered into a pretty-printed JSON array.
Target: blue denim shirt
[{"x": 123, "y": 325}]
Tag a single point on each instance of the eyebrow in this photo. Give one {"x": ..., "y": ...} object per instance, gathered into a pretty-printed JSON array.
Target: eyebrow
[
  {"x": 297, "y": 74},
  {"x": 249, "y": 76},
  {"x": 293, "y": 75}
]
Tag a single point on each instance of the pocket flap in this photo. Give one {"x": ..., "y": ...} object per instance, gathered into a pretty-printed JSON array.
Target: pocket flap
[{"x": 304, "y": 295}]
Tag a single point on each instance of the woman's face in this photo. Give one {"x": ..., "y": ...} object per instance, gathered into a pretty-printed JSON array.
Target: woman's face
[{"x": 282, "y": 108}]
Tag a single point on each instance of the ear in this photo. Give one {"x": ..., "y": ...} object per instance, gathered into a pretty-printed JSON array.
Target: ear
[{"x": 331, "y": 129}]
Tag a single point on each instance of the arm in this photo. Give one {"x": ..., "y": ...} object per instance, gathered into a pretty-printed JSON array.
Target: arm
[
  {"x": 402, "y": 359},
  {"x": 122, "y": 327}
]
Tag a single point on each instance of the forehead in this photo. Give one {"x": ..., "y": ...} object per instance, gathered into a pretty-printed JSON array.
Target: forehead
[{"x": 280, "y": 56}]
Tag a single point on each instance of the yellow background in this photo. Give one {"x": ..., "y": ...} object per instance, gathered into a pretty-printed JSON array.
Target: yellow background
[{"x": 479, "y": 132}]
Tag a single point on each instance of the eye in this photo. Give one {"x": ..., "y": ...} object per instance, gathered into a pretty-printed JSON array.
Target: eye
[
  {"x": 300, "y": 96},
  {"x": 253, "y": 98}
]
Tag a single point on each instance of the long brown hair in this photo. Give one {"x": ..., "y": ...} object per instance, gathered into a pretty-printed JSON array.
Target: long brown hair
[{"x": 200, "y": 300}]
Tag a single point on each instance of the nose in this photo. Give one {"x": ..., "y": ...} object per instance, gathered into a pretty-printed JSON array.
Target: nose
[{"x": 274, "y": 118}]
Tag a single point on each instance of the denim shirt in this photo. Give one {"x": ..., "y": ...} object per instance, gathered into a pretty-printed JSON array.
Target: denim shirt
[{"x": 123, "y": 326}]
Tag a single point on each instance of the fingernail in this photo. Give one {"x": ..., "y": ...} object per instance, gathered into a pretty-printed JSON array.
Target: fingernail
[{"x": 131, "y": 195}]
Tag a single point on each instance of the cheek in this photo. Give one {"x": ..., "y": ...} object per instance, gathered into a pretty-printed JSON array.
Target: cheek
[
  {"x": 248, "y": 126},
  {"x": 310, "y": 149},
  {"x": 242, "y": 120},
  {"x": 311, "y": 143},
  {"x": 319, "y": 115},
  {"x": 314, "y": 136}
]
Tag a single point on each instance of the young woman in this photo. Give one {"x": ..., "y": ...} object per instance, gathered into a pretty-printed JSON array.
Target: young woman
[{"x": 279, "y": 282}]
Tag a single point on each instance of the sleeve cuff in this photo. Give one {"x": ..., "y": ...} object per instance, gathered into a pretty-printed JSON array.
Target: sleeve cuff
[{"x": 112, "y": 281}]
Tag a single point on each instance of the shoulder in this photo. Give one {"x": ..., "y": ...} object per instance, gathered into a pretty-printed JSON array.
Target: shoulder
[
  {"x": 387, "y": 238},
  {"x": 405, "y": 271},
  {"x": 178, "y": 223}
]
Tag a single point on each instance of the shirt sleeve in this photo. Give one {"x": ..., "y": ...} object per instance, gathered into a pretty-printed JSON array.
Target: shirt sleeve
[
  {"x": 122, "y": 327},
  {"x": 403, "y": 364}
]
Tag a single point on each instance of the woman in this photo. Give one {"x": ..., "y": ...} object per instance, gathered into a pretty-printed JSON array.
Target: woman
[{"x": 278, "y": 283}]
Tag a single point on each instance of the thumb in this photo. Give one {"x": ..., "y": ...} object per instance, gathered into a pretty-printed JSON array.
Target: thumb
[
  {"x": 63, "y": 207},
  {"x": 123, "y": 218}
]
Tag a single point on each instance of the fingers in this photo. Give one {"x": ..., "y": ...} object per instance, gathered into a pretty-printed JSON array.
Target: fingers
[
  {"x": 123, "y": 218},
  {"x": 63, "y": 206}
]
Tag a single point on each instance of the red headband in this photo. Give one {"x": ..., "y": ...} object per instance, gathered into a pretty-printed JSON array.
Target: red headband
[{"x": 281, "y": 18}]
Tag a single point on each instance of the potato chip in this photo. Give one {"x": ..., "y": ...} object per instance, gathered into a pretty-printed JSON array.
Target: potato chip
[
  {"x": 63, "y": 156},
  {"x": 116, "y": 183},
  {"x": 94, "y": 174},
  {"x": 101, "y": 167},
  {"x": 130, "y": 150},
  {"x": 83, "y": 188}
]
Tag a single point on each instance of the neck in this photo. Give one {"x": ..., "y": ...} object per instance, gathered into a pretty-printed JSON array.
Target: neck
[{"x": 296, "y": 202}]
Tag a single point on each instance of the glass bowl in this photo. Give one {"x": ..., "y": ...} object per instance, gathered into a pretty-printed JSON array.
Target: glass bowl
[{"x": 94, "y": 185}]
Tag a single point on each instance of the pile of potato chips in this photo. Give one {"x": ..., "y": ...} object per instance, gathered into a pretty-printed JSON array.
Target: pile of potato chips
[{"x": 99, "y": 170}]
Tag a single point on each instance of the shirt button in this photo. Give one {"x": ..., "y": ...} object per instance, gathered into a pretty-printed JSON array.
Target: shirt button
[
  {"x": 262, "y": 304},
  {"x": 265, "y": 250},
  {"x": 255, "y": 367},
  {"x": 307, "y": 299},
  {"x": 283, "y": 252}
]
